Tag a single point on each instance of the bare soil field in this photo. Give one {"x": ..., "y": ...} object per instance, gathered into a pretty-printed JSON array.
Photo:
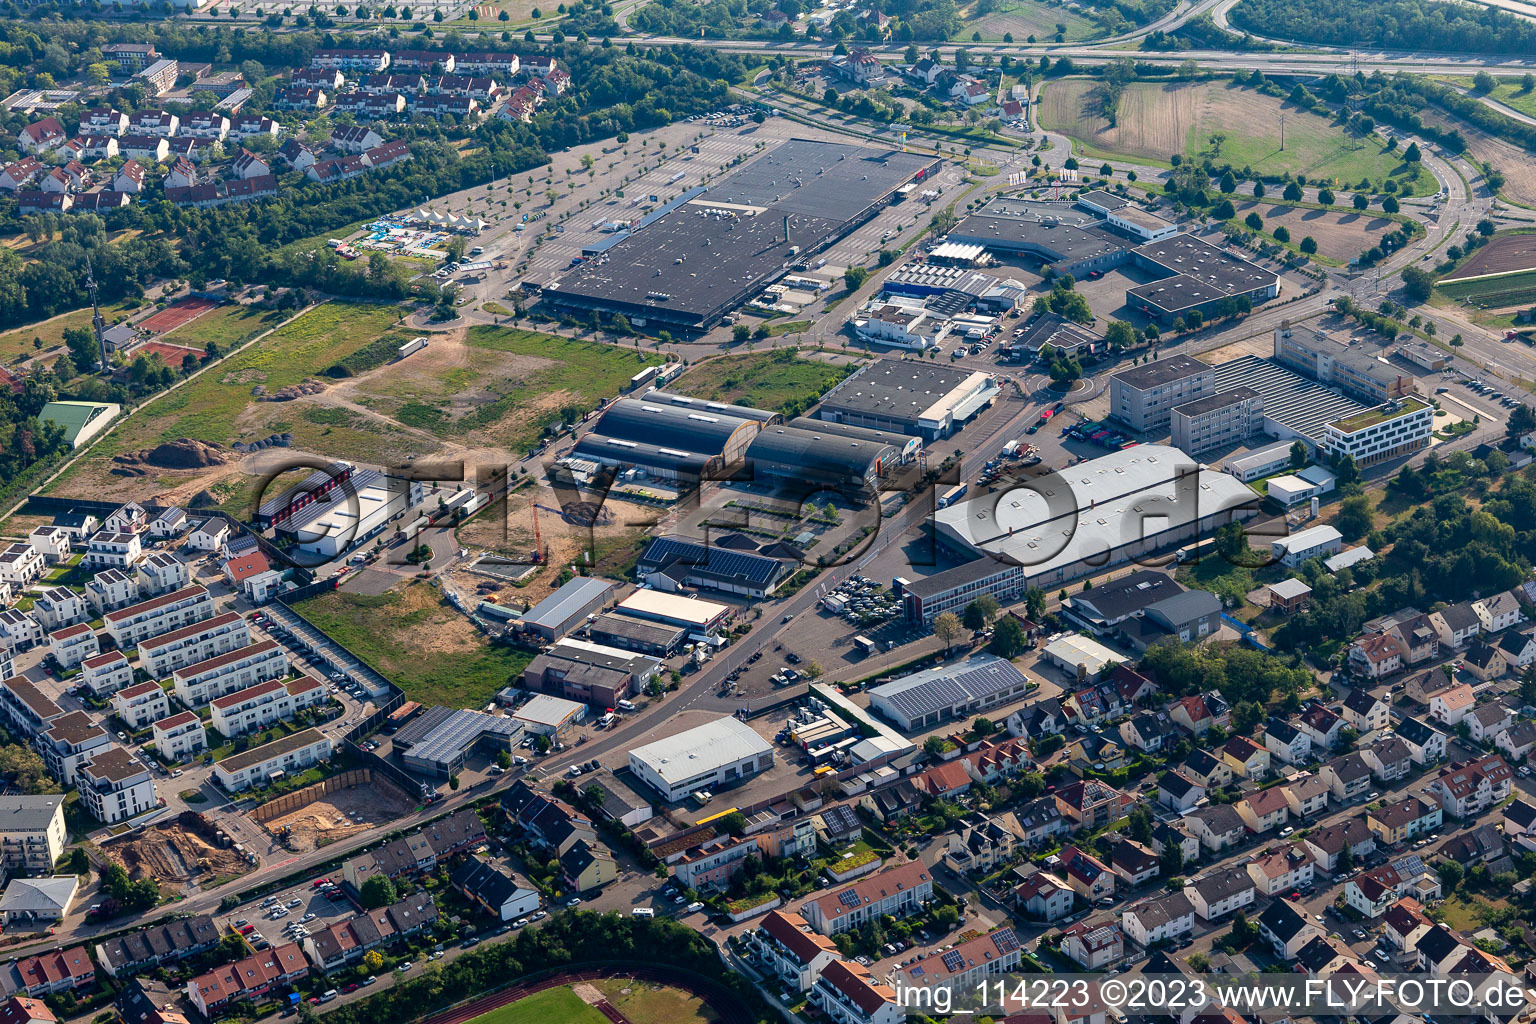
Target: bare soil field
[
  {"x": 1341, "y": 235},
  {"x": 1157, "y": 120},
  {"x": 1518, "y": 168},
  {"x": 1504, "y": 254},
  {"x": 338, "y": 815},
  {"x": 175, "y": 853}
]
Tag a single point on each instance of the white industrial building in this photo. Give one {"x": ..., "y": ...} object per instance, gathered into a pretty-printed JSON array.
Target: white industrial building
[
  {"x": 550, "y": 716},
  {"x": 357, "y": 510},
  {"x": 718, "y": 754},
  {"x": 1313, "y": 542},
  {"x": 699, "y": 617}
]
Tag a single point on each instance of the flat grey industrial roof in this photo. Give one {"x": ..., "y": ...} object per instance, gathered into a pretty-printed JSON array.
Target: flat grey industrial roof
[
  {"x": 1290, "y": 399},
  {"x": 1161, "y": 371},
  {"x": 819, "y": 179},
  {"x": 1055, "y": 229},
  {"x": 896, "y": 387},
  {"x": 1106, "y": 200},
  {"x": 341, "y": 496},
  {"x": 898, "y": 441},
  {"x": 687, "y": 431},
  {"x": 822, "y": 456},
  {"x": 1044, "y": 328},
  {"x": 746, "y": 412},
  {"x": 558, "y": 608},
  {"x": 460, "y": 731},
  {"x": 642, "y": 630},
  {"x": 947, "y": 686},
  {"x": 1220, "y": 400}
]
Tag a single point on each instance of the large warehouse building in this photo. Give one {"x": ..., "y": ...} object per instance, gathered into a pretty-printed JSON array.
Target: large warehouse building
[
  {"x": 808, "y": 459},
  {"x": 707, "y": 256},
  {"x": 925, "y": 699},
  {"x": 671, "y": 562},
  {"x": 668, "y": 440},
  {"x": 354, "y": 511},
  {"x": 909, "y": 396},
  {"x": 707, "y": 757},
  {"x": 1079, "y": 520}
]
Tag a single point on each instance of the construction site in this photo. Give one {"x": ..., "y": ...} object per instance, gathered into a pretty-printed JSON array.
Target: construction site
[
  {"x": 187, "y": 849},
  {"x": 326, "y": 812}
]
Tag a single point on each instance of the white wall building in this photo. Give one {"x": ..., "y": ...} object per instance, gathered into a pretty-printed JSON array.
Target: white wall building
[
  {"x": 719, "y": 753},
  {"x": 259, "y": 706},
  {"x": 161, "y": 655},
  {"x": 180, "y": 735},
  {"x": 141, "y": 704},
  {"x": 199, "y": 683},
  {"x": 260, "y": 765},
  {"x": 114, "y": 786},
  {"x": 128, "y": 626}
]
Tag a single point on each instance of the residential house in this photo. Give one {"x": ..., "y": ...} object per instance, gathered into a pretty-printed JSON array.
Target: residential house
[
  {"x": 1093, "y": 945},
  {"x": 1499, "y": 612},
  {"x": 1217, "y": 827},
  {"x": 1405, "y": 819},
  {"x": 966, "y": 965},
  {"x": 1246, "y": 758},
  {"x": 42, "y": 136},
  {"x": 1287, "y": 927},
  {"x": 1178, "y": 792},
  {"x": 1450, "y": 706},
  {"x": 1376, "y": 656},
  {"x": 493, "y": 891},
  {"x": 1457, "y": 624},
  {"x": 1328, "y": 843},
  {"x": 1208, "y": 770},
  {"x": 1220, "y": 893},
  {"x": 1467, "y": 788},
  {"x": 1042, "y": 897},
  {"x": 1485, "y": 722},
  {"x": 1348, "y": 776},
  {"x": 1134, "y": 863},
  {"x": 1366, "y": 712},
  {"x": 1404, "y": 924},
  {"x": 1307, "y": 794},
  {"x": 791, "y": 949},
  {"x": 1425, "y": 745},
  {"x": 1389, "y": 758},
  {"x": 1518, "y": 648},
  {"x": 1088, "y": 876},
  {"x": 1264, "y": 810},
  {"x": 1323, "y": 725},
  {"x": 1287, "y": 742},
  {"x": 1481, "y": 845},
  {"x": 1282, "y": 870},
  {"x": 1089, "y": 803},
  {"x": 897, "y": 891},
  {"x": 982, "y": 845},
  {"x": 1484, "y": 660},
  {"x": 1517, "y": 742},
  {"x": 1421, "y": 687},
  {"x": 1149, "y": 732},
  {"x": 1166, "y": 918},
  {"x": 1200, "y": 712},
  {"x": 846, "y": 993}
]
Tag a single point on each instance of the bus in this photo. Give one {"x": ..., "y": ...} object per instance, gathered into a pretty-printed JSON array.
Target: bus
[
  {"x": 952, "y": 495},
  {"x": 865, "y": 645}
]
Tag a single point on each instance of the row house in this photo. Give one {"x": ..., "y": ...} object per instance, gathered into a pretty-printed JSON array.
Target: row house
[
  {"x": 1467, "y": 788},
  {"x": 790, "y": 949},
  {"x": 479, "y": 87},
  {"x": 372, "y": 106},
  {"x": 72, "y": 645},
  {"x": 306, "y": 98},
  {"x": 382, "y": 85},
  {"x": 111, "y": 589},
  {"x": 58, "y": 607},
  {"x": 386, "y": 155},
  {"x": 114, "y": 786},
  {"x": 250, "y": 126},
  {"x": 58, "y": 970},
  {"x": 141, "y": 704},
  {"x": 259, "y": 765},
  {"x": 252, "y": 980},
  {"x": 90, "y": 148},
  {"x": 162, "y": 123},
  {"x": 897, "y": 891},
  {"x": 38, "y": 201},
  {"x": 422, "y": 61},
  {"x": 107, "y": 673},
  {"x": 182, "y": 175},
  {"x": 163, "y": 654},
  {"x": 159, "y": 946},
  {"x": 969, "y": 964},
  {"x": 505, "y": 64},
  {"x": 297, "y": 156},
  {"x": 180, "y": 736},
  {"x": 129, "y": 178},
  {"x": 229, "y": 673},
  {"x": 213, "y": 194},
  {"x": 103, "y": 121},
  {"x": 259, "y": 706},
  {"x": 521, "y": 105},
  {"x": 101, "y": 199},
  {"x": 354, "y": 138},
  {"x": 366, "y": 60},
  {"x": 328, "y": 172},
  {"x": 345, "y": 942},
  {"x": 463, "y": 108},
  {"x": 205, "y": 124},
  {"x": 21, "y": 174},
  {"x": 248, "y": 165},
  {"x": 148, "y": 149},
  {"x": 1167, "y": 918},
  {"x": 329, "y": 79}
]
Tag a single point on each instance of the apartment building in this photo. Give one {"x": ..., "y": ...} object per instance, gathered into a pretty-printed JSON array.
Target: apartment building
[
  {"x": 181, "y": 735},
  {"x": 897, "y": 891},
  {"x": 20, "y": 565},
  {"x": 128, "y": 626},
  {"x": 791, "y": 949},
  {"x": 163, "y": 654},
  {"x": 229, "y": 673},
  {"x": 114, "y": 786},
  {"x": 1143, "y": 397},
  {"x": 846, "y": 993},
  {"x": 58, "y": 607},
  {"x": 259, "y": 765},
  {"x": 162, "y": 572},
  {"x": 113, "y": 551},
  {"x": 70, "y": 741},
  {"x": 106, "y": 673},
  {"x": 111, "y": 589},
  {"x": 54, "y": 543},
  {"x": 73, "y": 644},
  {"x": 1467, "y": 788},
  {"x": 141, "y": 704},
  {"x": 26, "y": 707},
  {"x": 32, "y": 832},
  {"x": 256, "y": 707}
]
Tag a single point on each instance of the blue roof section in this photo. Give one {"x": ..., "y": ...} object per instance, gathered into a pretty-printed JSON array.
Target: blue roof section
[
  {"x": 558, "y": 608},
  {"x": 721, "y": 563}
]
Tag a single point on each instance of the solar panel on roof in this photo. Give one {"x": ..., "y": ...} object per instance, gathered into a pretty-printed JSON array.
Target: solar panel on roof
[
  {"x": 1005, "y": 940},
  {"x": 953, "y": 960},
  {"x": 849, "y": 898}
]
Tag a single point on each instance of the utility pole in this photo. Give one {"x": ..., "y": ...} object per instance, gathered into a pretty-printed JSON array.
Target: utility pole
[
  {"x": 98, "y": 324},
  {"x": 1282, "y": 133}
]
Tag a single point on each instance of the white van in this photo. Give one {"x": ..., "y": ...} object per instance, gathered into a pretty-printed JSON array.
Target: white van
[
  {"x": 626, "y": 705},
  {"x": 642, "y": 912}
]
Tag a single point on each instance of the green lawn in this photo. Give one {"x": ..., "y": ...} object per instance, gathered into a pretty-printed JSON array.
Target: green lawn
[
  {"x": 552, "y": 1006},
  {"x": 18, "y": 342},
  {"x": 764, "y": 380},
  {"x": 1510, "y": 94},
  {"x": 228, "y": 326},
  {"x": 1508, "y": 290},
  {"x": 1024, "y": 18},
  {"x": 420, "y": 643}
]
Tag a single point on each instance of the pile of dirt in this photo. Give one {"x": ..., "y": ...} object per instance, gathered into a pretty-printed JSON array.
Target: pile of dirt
[
  {"x": 203, "y": 499},
  {"x": 176, "y": 852},
  {"x": 182, "y": 453},
  {"x": 309, "y": 386}
]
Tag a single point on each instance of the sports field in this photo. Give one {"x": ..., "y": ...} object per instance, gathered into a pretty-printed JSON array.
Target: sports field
[
  {"x": 176, "y": 314},
  {"x": 1231, "y": 125},
  {"x": 18, "y": 342},
  {"x": 552, "y": 1006}
]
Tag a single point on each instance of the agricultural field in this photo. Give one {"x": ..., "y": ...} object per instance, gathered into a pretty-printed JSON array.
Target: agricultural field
[
  {"x": 16, "y": 344},
  {"x": 1157, "y": 120},
  {"x": 218, "y": 406},
  {"x": 1341, "y": 234},
  {"x": 496, "y": 386},
  {"x": 1516, "y": 165},
  {"x": 780, "y": 380},
  {"x": 1504, "y": 254},
  {"x": 1024, "y": 18},
  {"x": 418, "y": 640},
  {"x": 1493, "y": 293}
]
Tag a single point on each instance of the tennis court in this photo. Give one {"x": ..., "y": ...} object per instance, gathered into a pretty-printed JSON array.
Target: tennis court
[
  {"x": 170, "y": 355},
  {"x": 176, "y": 314}
]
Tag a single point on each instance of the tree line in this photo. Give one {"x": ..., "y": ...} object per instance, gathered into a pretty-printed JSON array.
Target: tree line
[{"x": 1391, "y": 24}]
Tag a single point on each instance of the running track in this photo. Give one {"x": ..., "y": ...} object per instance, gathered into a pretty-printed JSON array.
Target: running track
[{"x": 720, "y": 999}]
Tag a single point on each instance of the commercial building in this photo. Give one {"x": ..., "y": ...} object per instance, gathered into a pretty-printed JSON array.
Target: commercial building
[
  {"x": 1219, "y": 420},
  {"x": 1071, "y": 240},
  {"x": 591, "y": 673},
  {"x": 554, "y": 717},
  {"x": 909, "y": 396},
  {"x": 1143, "y": 397},
  {"x": 1395, "y": 429},
  {"x": 259, "y": 706},
  {"x": 1340, "y": 363},
  {"x": 706, "y": 757},
  {"x": 1313, "y": 542},
  {"x": 671, "y": 562},
  {"x": 158, "y": 615},
  {"x": 1200, "y": 277},
  {"x": 32, "y": 833},
  {"x": 567, "y": 608},
  {"x": 669, "y": 440},
  {"x": 710, "y": 250},
  {"x": 1096, "y": 514},
  {"x": 115, "y": 786},
  {"x": 807, "y": 459},
  {"x": 700, "y": 618},
  {"x": 632, "y": 634},
  {"x": 1295, "y": 407},
  {"x": 80, "y": 421},
  {"x": 181, "y": 735},
  {"x": 927, "y": 698},
  {"x": 199, "y": 683},
  {"x": 439, "y": 740},
  {"x": 352, "y": 513},
  {"x": 29, "y": 902},
  {"x": 161, "y": 655},
  {"x": 263, "y": 764},
  {"x": 952, "y": 589}
]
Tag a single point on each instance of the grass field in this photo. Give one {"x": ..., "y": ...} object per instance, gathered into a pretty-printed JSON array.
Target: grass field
[
  {"x": 1510, "y": 94},
  {"x": 1508, "y": 290},
  {"x": 645, "y": 1003},
  {"x": 1023, "y": 18},
  {"x": 217, "y": 406},
  {"x": 416, "y": 639},
  {"x": 18, "y": 342},
  {"x": 763, "y": 380},
  {"x": 1155, "y": 121},
  {"x": 552, "y": 1006},
  {"x": 501, "y": 385},
  {"x": 228, "y": 327}
]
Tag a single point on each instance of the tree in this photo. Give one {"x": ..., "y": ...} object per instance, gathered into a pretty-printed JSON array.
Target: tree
[
  {"x": 1034, "y": 603},
  {"x": 979, "y": 612},
  {"x": 1228, "y": 183},
  {"x": 854, "y": 278},
  {"x": 1484, "y": 82},
  {"x": 1120, "y": 335},
  {"x": 1355, "y": 518},
  {"x": 79, "y": 863},
  {"x": 735, "y": 823},
  {"x": 1299, "y": 455},
  {"x": 1309, "y": 245},
  {"x": 1292, "y": 193},
  {"x": 1521, "y": 421},
  {"x": 1254, "y": 221},
  {"x": 1106, "y": 170},
  {"x": 1224, "y": 210},
  {"x": 1361, "y": 201},
  {"x": 1390, "y": 204},
  {"x": 1451, "y": 873},
  {"x": 378, "y": 891},
  {"x": 946, "y": 626},
  {"x": 1230, "y": 542},
  {"x": 1282, "y": 233},
  {"x": 1064, "y": 369},
  {"x": 983, "y": 726},
  {"x": 1258, "y": 190},
  {"x": 1171, "y": 865},
  {"x": 503, "y": 759},
  {"x": 1008, "y": 639},
  {"x": 373, "y": 961},
  {"x": 1417, "y": 283},
  {"x": 741, "y": 332},
  {"x": 1412, "y": 154},
  {"x": 1346, "y": 471},
  {"x": 1325, "y": 196}
]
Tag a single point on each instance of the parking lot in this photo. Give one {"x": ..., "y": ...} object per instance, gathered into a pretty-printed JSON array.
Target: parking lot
[{"x": 291, "y": 915}]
